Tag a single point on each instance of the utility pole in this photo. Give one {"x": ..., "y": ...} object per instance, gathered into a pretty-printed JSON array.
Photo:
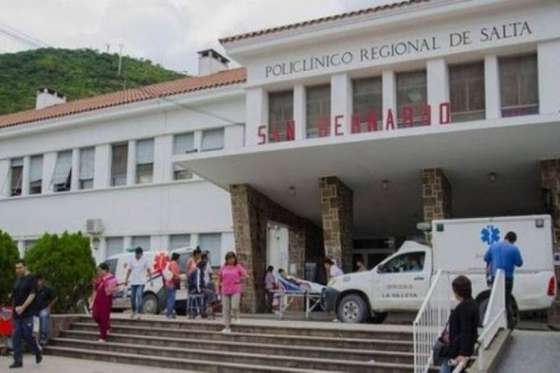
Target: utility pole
[{"x": 121, "y": 46}]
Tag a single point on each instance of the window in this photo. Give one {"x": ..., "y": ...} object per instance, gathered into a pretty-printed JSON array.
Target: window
[
  {"x": 519, "y": 85},
  {"x": 87, "y": 166},
  {"x": 184, "y": 143},
  {"x": 466, "y": 85},
  {"x": 367, "y": 102},
  {"x": 144, "y": 161},
  {"x": 16, "y": 176},
  {"x": 62, "y": 177},
  {"x": 115, "y": 245},
  {"x": 409, "y": 262},
  {"x": 412, "y": 98},
  {"x": 119, "y": 161},
  {"x": 141, "y": 241},
  {"x": 212, "y": 139},
  {"x": 281, "y": 116},
  {"x": 318, "y": 111},
  {"x": 180, "y": 172},
  {"x": 177, "y": 241},
  {"x": 36, "y": 175},
  {"x": 213, "y": 243}
]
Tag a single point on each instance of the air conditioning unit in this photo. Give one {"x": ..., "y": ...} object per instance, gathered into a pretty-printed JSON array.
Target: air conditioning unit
[{"x": 94, "y": 226}]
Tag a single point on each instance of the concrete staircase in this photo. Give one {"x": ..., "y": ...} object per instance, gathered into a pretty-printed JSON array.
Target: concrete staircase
[{"x": 253, "y": 346}]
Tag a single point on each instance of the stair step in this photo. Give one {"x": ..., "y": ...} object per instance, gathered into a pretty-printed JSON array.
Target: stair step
[
  {"x": 167, "y": 357},
  {"x": 351, "y": 343},
  {"x": 340, "y": 331},
  {"x": 214, "y": 351}
]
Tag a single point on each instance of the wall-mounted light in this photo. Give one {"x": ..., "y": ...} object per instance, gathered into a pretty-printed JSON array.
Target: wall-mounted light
[
  {"x": 292, "y": 190},
  {"x": 385, "y": 184},
  {"x": 492, "y": 177}
]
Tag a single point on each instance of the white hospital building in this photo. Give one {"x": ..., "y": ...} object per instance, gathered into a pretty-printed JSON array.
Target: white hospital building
[{"x": 336, "y": 137}]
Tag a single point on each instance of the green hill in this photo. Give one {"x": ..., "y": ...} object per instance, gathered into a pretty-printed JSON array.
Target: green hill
[{"x": 76, "y": 73}]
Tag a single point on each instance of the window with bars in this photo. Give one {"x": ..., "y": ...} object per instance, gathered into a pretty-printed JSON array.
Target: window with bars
[
  {"x": 367, "y": 103},
  {"x": 16, "y": 176},
  {"x": 119, "y": 162},
  {"x": 115, "y": 245},
  {"x": 62, "y": 176},
  {"x": 178, "y": 241},
  {"x": 212, "y": 140},
  {"x": 181, "y": 172},
  {"x": 213, "y": 243},
  {"x": 412, "y": 98},
  {"x": 87, "y": 167},
  {"x": 36, "y": 175},
  {"x": 184, "y": 143},
  {"x": 318, "y": 111},
  {"x": 144, "y": 161},
  {"x": 466, "y": 88},
  {"x": 281, "y": 124},
  {"x": 519, "y": 85},
  {"x": 141, "y": 241}
]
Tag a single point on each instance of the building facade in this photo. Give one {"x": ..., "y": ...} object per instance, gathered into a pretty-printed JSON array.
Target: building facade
[{"x": 342, "y": 135}]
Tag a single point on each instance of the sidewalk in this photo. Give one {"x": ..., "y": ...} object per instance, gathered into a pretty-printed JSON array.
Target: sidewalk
[{"x": 54, "y": 364}]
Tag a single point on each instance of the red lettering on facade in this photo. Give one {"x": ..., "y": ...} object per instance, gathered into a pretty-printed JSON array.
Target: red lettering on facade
[
  {"x": 338, "y": 125},
  {"x": 372, "y": 121},
  {"x": 324, "y": 126},
  {"x": 356, "y": 123},
  {"x": 390, "y": 123},
  {"x": 408, "y": 116},
  {"x": 427, "y": 115},
  {"x": 290, "y": 130},
  {"x": 445, "y": 113},
  {"x": 262, "y": 135}
]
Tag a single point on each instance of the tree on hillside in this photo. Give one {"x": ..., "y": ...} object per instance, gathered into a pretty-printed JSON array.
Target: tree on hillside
[
  {"x": 67, "y": 264},
  {"x": 8, "y": 255}
]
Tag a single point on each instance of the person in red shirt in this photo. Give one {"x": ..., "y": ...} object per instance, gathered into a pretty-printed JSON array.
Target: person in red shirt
[
  {"x": 172, "y": 283},
  {"x": 229, "y": 284},
  {"x": 104, "y": 288}
]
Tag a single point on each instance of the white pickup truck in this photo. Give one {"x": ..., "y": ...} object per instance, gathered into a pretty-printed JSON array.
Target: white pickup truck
[{"x": 401, "y": 282}]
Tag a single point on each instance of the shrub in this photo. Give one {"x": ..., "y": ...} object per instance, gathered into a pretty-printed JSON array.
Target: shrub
[
  {"x": 67, "y": 264},
  {"x": 8, "y": 255}
]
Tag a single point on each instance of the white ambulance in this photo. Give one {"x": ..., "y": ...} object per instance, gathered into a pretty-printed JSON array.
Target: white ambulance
[{"x": 401, "y": 282}]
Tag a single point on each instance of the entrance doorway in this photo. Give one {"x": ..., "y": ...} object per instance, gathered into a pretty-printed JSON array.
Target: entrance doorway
[{"x": 277, "y": 247}]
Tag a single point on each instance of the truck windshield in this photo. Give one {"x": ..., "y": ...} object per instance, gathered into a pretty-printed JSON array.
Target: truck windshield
[{"x": 409, "y": 262}]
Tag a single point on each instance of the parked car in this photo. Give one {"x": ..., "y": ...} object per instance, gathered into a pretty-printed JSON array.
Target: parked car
[
  {"x": 401, "y": 282},
  {"x": 154, "y": 292}
]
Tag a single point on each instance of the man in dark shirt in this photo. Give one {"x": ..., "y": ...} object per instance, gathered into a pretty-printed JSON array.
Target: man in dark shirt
[
  {"x": 23, "y": 296},
  {"x": 44, "y": 301}
]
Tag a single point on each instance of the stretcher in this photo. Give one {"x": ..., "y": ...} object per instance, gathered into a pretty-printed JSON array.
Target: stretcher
[{"x": 291, "y": 289}]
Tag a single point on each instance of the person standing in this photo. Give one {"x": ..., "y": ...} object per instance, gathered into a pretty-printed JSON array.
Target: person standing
[
  {"x": 461, "y": 333},
  {"x": 269, "y": 287},
  {"x": 104, "y": 288},
  {"x": 172, "y": 283},
  {"x": 332, "y": 269},
  {"x": 506, "y": 256},
  {"x": 229, "y": 283},
  {"x": 192, "y": 263},
  {"x": 360, "y": 266},
  {"x": 23, "y": 297},
  {"x": 45, "y": 299},
  {"x": 138, "y": 271}
]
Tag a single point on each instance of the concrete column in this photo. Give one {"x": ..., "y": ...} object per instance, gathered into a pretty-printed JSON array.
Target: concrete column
[
  {"x": 49, "y": 164},
  {"x": 549, "y": 76},
  {"x": 436, "y": 195},
  {"x": 131, "y": 165},
  {"x": 5, "y": 181},
  {"x": 299, "y": 111},
  {"x": 127, "y": 242},
  {"x": 256, "y": 115},
  {"x": 102, "y": 166},
  {"x": 492, "y": 87},
  {"x": 234, "y": 137},
  {"x": 438, "y": 86},
  {"x": 75, "y": 180},
  {"x": 550, "y": 182},
  {"x": 341, "y": 103},
  {"x": 163, "y": 152},
  {"x": 389, "y": 95},
  {"x": 337, "y": 203},
  {"x": 26, "y": 175}
]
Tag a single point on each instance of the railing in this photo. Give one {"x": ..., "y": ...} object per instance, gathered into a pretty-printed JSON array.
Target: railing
[
  {"x": 431, "y": 320},
  {"x": 495, "y": 317}
]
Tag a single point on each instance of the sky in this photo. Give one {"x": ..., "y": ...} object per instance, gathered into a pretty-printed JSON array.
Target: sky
[{"x": 167, "y": 32}]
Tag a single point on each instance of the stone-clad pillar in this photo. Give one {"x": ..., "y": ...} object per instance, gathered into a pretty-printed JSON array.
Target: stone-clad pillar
[
  {"x": 550, "y": 183},
  {"x": 436, "y": 195},
  {"x": 337, "y": 215}
]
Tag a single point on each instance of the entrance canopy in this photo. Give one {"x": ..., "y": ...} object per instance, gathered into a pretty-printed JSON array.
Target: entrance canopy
[{"x": 492, "y": 168}]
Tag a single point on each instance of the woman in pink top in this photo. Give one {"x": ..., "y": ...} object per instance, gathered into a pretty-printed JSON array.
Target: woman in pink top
[{"x": 229, "y": 284}]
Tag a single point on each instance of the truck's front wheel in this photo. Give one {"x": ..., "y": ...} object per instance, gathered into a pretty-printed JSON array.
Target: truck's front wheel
[{"x": 352, "y": 309}]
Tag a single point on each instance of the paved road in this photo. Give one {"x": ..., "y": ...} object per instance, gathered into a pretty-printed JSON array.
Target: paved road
[{"x": 531, "y": 351}]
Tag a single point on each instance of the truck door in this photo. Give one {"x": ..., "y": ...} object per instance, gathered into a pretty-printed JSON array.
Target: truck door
[{"x": 404, "y": 281}]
